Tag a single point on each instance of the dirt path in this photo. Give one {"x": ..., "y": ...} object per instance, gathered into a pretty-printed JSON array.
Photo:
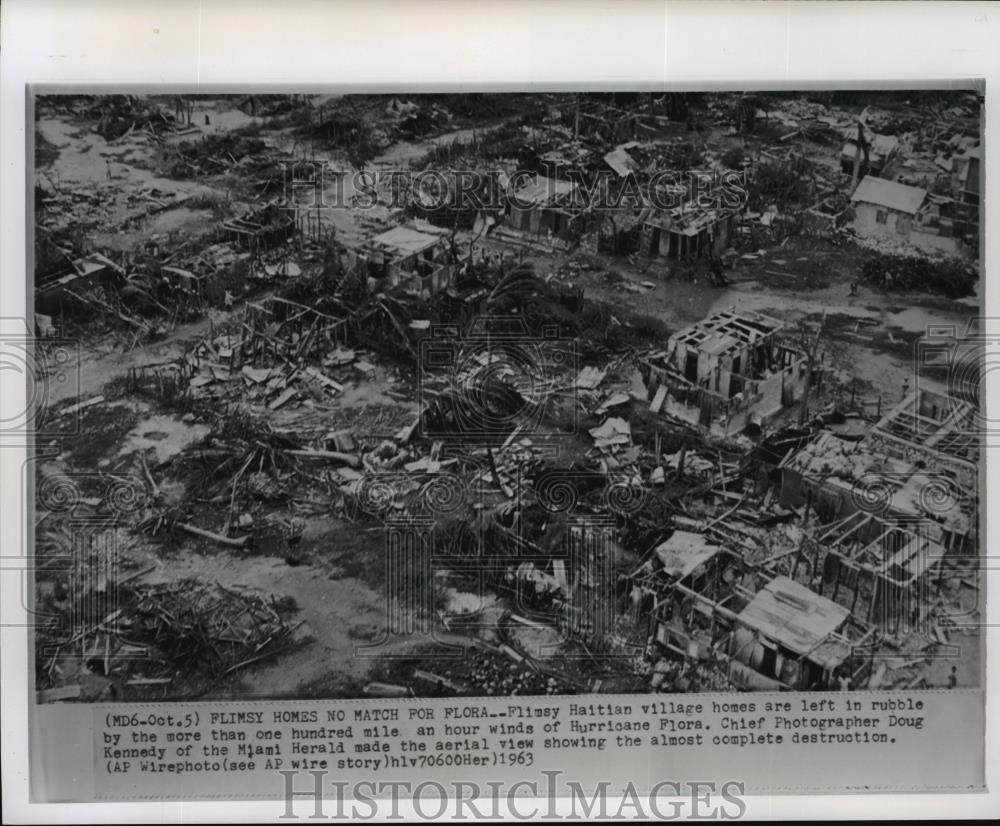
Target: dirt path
[{"x": 99, "y": 362}]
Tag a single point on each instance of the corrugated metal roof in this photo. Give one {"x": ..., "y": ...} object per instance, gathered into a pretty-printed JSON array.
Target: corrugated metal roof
[
  {"x": 792, "y": 615},
  {"x": 684, "y": 552},
  {"x": 544, "y": 190},
  {"x": 889, "y": 194},
  {"x": 620, "y": 161},
  {"x": 405, "y": 240}
]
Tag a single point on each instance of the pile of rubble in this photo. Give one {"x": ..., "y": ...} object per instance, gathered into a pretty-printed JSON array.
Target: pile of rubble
[{"x": 175, "y": 639}]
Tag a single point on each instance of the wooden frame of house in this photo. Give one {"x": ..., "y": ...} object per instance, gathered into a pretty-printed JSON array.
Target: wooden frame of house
[
  {"x": 262, "y": 228},
  {"x": 932, "y": 426},
  {"x": 726, "y": 372},
  {"x": 771, "y": 633},
  {"x": 407, "y": 259},
  {"x": 888, "y": 569},
  {"x": 834, "y": 478}
]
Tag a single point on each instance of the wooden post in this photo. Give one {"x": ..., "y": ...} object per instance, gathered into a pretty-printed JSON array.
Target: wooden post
[{"x": 875, "y": 598}]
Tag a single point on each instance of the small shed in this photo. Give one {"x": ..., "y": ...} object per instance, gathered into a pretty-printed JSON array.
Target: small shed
[
  {"x": 886, "y": 208},
  {"x": 688, "y": 230},
  {"x": 541, "y": 206}
]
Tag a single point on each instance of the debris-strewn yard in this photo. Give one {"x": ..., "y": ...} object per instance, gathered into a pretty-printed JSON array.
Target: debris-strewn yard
[{"x": 506, "y": 394}]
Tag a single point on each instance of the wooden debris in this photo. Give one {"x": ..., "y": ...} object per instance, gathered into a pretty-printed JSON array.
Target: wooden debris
[
  {"x": 348, "y": 459},
  {"x": 288, "y": 394},
  {"x": 239, "y": 542},
  {"x": 76, "y": 408},
  {"x": 435, "y": 679},
  {"x": 387, "y": 690},
  {"x": 325, "y": 380}
]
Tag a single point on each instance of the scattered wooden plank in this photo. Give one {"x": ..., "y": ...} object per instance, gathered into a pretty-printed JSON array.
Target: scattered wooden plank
[
  {"x": 429, "y": 677},
  {"x": 232, "y": 542},
  {"x": 876, "y": 679},
  {"x": 658, "y": 399},
  {"x": 325, "y": 380},
  {"x": 283, "y": 399},
  {"x": 386, "y": 690},
  {"x": 348, "y": 459},
  {"x": 75, "y": 408}
]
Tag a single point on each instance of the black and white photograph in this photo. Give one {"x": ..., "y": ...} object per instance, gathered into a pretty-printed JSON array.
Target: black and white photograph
[
  {"x": 503, "y": 394},
  {"x": 521, "y": 411}
]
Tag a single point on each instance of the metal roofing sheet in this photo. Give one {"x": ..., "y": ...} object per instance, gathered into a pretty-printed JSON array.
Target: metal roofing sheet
[
  {"x": 889, "y": 194},
  {"x": 543, "y": 190},
  {"x": 792, "y": 615},
  {"x": 684, "y": 552},
  {"x": 405, "y": 239},
  {"x": 620, "y": 161}
]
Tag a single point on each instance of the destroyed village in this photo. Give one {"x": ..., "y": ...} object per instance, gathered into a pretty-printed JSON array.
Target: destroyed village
[{"x": 416, "y": 395}]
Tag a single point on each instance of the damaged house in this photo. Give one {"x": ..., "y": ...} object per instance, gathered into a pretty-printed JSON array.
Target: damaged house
[
  {"x": 66, "y": 284},
  {"x": 825, "y": 218},
  {"x": 935, "y": 429},
  {"x": 687, "y": 231},
  {"x": 218, "y": 270},
  {"x": 885, "y": 570},
  {"x": 544, "y": 207},
  {"x": 769, "y": 632},
  {"x": 882, "y": 150},
  {"x": 788, "y": 637},
  {"x": 259, "y": 229},
  {"x": 406, "y": 259},
  {"x": 967, "y": 169},
  {"x": 835, "y": 477},
  {"x": 726, "y": 372}
]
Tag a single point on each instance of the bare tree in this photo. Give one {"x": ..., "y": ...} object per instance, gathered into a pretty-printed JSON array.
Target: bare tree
[
  {"x": 860, "y": 146},
  {"x": 808, "y": 341}
]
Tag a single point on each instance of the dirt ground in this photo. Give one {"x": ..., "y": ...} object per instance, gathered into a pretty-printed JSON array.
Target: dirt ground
[{"x": 336, "y": 574}]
